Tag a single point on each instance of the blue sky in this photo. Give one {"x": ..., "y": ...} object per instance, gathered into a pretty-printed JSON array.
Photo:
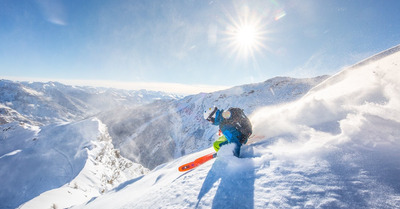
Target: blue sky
[{"x": 197, "y": 44}]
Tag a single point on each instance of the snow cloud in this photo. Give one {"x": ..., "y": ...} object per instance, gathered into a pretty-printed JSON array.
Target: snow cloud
[{"x": 339, "y": 111}]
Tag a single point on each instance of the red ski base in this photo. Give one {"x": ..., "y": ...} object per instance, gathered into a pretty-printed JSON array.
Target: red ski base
[{"x": 197, "y": 162}]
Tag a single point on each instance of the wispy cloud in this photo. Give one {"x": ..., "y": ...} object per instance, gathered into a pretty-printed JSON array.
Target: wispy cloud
[
  {"x": 53, "y": 11},
  {"x": 317, "y": 64}
]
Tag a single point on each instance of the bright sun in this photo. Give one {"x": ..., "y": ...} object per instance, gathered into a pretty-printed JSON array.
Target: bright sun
[{"x": 245, "y": 35}]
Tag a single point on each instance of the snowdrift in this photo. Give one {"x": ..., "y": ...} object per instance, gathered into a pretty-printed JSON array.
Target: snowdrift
[{"x": 336, "y": 147}]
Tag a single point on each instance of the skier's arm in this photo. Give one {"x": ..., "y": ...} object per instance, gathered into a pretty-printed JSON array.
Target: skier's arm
[{"x": 218, "y": 117}]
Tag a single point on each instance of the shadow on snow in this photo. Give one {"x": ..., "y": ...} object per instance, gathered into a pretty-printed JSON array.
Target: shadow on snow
[{"x": 236, "y": 178}]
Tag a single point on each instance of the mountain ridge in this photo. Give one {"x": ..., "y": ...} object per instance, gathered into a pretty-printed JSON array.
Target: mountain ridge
[{"x": 52, "y": 102}]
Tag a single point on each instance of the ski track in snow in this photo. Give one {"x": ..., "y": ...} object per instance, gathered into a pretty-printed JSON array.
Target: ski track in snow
[{"x": 71, "y": 167}]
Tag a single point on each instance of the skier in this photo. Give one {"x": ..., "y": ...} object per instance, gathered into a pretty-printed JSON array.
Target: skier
[{"x": 234, "y": 125}]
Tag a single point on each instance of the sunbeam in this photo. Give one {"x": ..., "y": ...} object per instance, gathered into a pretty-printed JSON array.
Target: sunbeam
[{"x": 246, "y": 34}]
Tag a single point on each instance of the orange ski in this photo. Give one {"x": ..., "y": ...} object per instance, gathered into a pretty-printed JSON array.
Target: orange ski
[{"x": 197, "y": 162}]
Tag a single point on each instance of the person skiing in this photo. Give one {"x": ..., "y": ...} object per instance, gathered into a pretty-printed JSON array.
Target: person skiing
[{"x": 234, "y": 125}]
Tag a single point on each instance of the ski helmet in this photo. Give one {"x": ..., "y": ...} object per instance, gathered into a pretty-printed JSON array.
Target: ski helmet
[
  {"x": 209, "y": 113},
  {"x": 227, "y": 114}
]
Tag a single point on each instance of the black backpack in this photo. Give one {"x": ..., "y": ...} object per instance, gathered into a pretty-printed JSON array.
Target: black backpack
[{"x": 240, "y": 121}]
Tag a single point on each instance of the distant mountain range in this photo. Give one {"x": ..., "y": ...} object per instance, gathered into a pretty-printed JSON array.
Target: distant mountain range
[{"x": 46, "y": 103}]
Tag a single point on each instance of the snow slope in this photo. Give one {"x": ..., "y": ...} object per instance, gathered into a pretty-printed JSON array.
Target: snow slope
[
  {"x": 78, "y": 155},
  {"x": 336, "y": 147}
]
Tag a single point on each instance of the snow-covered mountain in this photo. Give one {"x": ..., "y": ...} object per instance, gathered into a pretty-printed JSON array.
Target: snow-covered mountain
[
  {"x": 46, "y": 103},
  {"x": 336, "y": 147},
  {"x": 50, "y": 140}
]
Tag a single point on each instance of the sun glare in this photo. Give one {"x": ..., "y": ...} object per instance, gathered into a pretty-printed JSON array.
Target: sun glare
[{"x": 245, "y": 35}]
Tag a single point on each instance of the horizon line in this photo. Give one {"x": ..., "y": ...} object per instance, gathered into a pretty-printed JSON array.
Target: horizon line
[{"x": 175, "y": 88}]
